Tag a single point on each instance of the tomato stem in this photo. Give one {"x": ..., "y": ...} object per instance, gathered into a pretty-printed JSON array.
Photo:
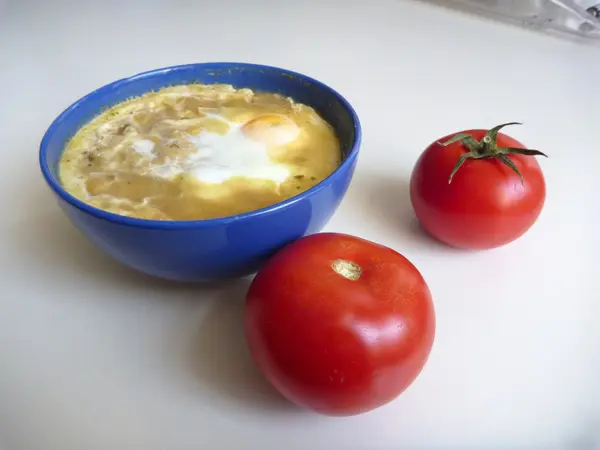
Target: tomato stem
[
  {"x": 488, "y": 148},
  {"x": 347, "y": 269}
]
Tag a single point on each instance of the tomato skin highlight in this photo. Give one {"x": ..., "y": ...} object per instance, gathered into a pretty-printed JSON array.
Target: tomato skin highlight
[
  {"x": 486, "y": 205},
  {"x": 335, "y": 345}
]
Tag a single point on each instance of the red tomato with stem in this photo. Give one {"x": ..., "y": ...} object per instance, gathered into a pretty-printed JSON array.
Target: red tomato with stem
[
  {"x": 339, "y": 324},
  {"x": 477, "y": 189}
]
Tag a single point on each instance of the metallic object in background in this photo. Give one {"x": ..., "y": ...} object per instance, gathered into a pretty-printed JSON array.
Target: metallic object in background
[{"x": 578, "y": 19}]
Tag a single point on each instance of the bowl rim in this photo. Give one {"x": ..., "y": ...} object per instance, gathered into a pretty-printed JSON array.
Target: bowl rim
[{"x": 56, "y": 186}]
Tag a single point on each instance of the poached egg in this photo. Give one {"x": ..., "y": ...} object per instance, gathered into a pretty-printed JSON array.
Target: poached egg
[{"x": 242, "y": 151}]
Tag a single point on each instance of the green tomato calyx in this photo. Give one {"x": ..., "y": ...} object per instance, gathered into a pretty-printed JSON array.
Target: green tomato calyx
[{"x": 488, "y": 148}]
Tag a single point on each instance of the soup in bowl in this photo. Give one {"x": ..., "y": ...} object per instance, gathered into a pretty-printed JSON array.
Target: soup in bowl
[{"x": 200, "y": 172}]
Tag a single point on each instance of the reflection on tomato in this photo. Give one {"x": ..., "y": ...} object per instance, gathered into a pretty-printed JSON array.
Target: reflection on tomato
[{"x": 339, "y": 324}]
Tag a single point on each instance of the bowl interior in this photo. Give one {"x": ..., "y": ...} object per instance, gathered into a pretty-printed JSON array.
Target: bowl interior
[{"x": 301, "y": 88}]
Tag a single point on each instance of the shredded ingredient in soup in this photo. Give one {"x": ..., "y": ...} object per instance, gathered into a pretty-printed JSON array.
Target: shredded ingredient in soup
[{"x": 196, "y": 151}]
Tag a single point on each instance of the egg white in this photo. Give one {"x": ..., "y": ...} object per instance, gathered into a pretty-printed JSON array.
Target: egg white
[{"x": 220, "y": 157}]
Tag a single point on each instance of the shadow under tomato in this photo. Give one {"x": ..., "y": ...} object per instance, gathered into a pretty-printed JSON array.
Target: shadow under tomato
[
  {"x": 386, "y": 202},
  {"x": 220, "y": 358}
]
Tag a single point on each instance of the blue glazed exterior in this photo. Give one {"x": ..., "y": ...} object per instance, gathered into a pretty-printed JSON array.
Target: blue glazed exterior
[{"x": 206, "y": 250}]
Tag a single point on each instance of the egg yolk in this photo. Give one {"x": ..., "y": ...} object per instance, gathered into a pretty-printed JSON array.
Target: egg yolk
[{"x": 271, "y": 129}]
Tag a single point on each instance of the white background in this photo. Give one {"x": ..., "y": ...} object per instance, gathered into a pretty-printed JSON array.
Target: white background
[{"x": 93, "y": 356}]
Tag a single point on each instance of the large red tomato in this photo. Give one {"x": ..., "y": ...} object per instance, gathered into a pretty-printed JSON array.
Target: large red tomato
[
  {"x": 339, "y": 324},
  {"x": 477, "y": 189}
]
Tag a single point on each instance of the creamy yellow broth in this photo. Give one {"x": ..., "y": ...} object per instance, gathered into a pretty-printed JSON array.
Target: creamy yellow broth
[{"x": 194, "y": 152}]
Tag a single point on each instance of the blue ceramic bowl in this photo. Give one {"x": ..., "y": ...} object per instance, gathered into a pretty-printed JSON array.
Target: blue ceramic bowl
[{"x": 206, "y": 250}]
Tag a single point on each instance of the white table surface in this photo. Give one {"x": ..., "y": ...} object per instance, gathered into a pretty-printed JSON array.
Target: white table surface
[{"x": 93, "y": 356}]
